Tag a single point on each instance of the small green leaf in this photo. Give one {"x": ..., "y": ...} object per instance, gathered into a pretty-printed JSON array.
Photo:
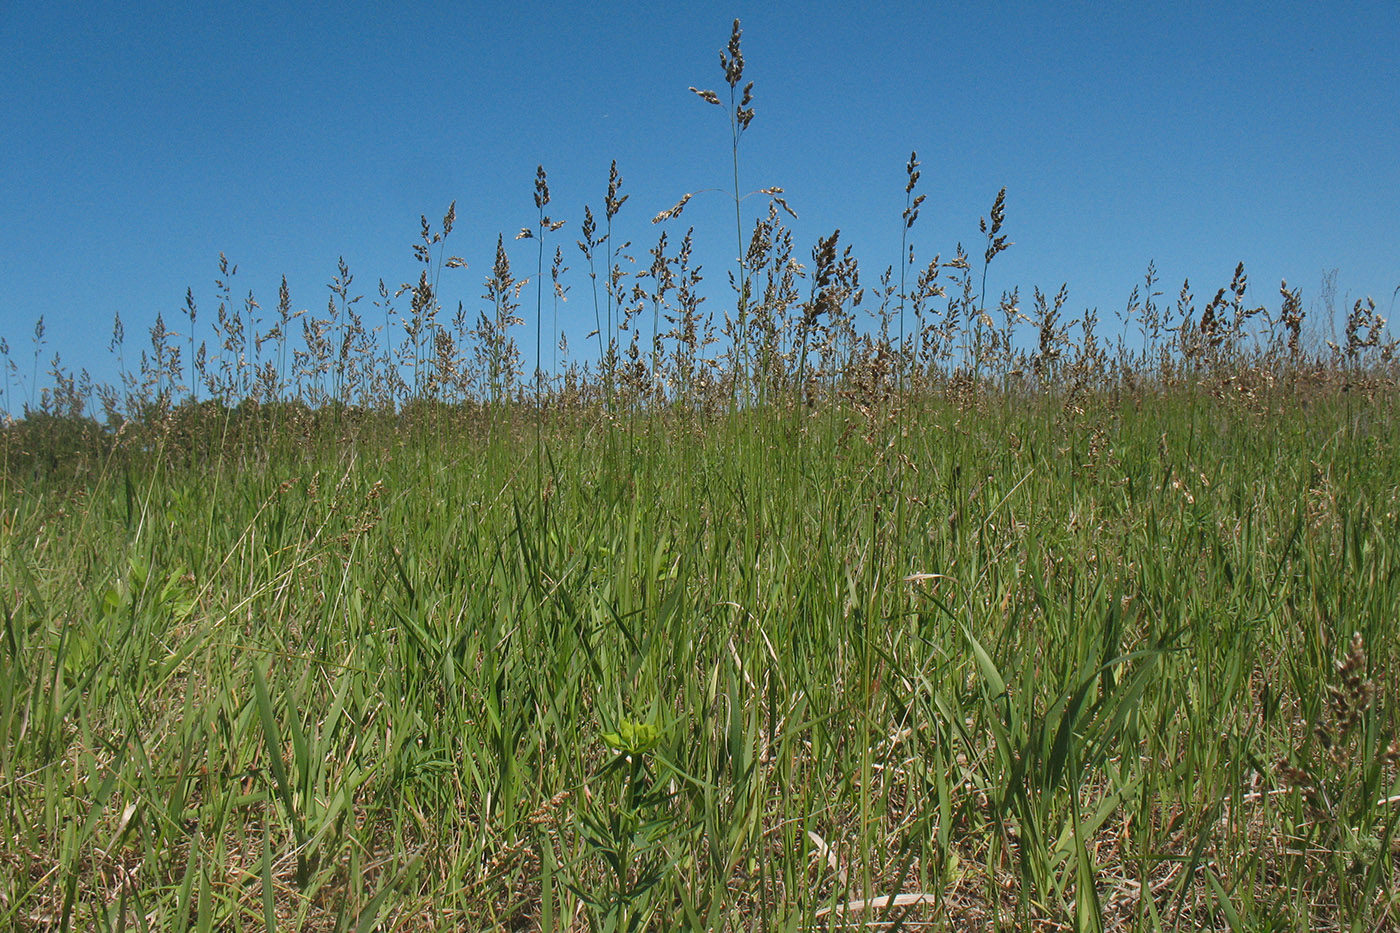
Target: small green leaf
[{"x": 634, "y": 738}]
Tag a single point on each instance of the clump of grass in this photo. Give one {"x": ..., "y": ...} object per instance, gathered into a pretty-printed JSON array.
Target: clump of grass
[{"x": 1343, "y": 776}]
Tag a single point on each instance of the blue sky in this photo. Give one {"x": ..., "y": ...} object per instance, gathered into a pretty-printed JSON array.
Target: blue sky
[{"x": 141, "y": 140}]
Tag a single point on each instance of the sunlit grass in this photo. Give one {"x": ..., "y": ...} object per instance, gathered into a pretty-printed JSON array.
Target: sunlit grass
[
  {"x": 853, "y": 606},
  {"x": 696, "y": 686}
]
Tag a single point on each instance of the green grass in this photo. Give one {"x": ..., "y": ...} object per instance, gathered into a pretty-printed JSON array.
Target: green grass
[
  {"x": 791, "y": 619},
  {"x": 405, "y": 685}
]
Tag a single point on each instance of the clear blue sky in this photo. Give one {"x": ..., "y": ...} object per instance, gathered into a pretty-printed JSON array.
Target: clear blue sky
[{"x": 140, "y": 140}]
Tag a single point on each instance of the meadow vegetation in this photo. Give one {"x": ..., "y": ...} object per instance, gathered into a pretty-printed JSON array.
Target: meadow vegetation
[{"x": 854, "y": 605}]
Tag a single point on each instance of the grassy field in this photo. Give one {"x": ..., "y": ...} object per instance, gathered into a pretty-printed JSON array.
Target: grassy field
[
  {"x": 879, "y": 607},
  {"x": 1122, "y": 666}
]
